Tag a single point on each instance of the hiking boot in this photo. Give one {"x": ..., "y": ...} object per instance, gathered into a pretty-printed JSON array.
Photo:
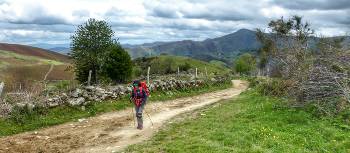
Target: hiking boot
[{"x": 140, "y": 127}]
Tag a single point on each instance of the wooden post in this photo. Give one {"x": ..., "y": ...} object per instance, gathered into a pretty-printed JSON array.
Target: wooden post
[
  {"x": 206, "y": 72},
  {"x": 149, "y": 69},
  {"x": 89, "y": 78},
  {"x": 1, "y": 87},
  {"x": 178, "y": 71},
  {"x": 196, "y": 72}
]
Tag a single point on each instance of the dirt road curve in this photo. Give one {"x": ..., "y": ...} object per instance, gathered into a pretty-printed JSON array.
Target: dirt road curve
[{"x": 110, "y": 132}]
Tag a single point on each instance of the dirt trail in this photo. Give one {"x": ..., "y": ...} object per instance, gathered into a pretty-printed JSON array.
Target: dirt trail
[{"x": 113, "y": 131}]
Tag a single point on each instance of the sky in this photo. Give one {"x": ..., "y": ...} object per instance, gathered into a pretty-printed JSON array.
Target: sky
[{"x": 142, "y": 21}]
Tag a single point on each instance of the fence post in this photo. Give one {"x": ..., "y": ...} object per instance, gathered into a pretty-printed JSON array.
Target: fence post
[
  {"x": 89, "y": 78},
  {"x": 178, "y": 71},
  {"x": 149, "y": 68},
  {"x": 206, "y": 72},
  {"x": 1, "y": 87},
  {"x": 196, "y": 72}
]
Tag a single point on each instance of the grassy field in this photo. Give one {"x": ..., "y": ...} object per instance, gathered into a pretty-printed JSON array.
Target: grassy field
[
  {"x": 250, "y": 123},
  {"x": 18, "y": 59},
  {"x": 26, "y": 121},
  {"x": 164, "y": 64},
  {"x": 24, "y": 70}
]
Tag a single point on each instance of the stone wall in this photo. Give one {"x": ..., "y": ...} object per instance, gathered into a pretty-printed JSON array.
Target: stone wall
[{"x": 87, "y": 94}]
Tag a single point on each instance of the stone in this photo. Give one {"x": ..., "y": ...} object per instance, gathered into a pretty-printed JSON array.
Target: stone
[
  {"x": 76, "y": 101},
  {"x": 77, "y": 93}
]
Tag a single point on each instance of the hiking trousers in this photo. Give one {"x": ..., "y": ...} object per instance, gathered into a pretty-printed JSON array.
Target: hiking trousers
[{"x": 139, "y": 112}]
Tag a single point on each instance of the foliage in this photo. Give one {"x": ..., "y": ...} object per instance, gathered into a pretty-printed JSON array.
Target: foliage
[
  {"x": 117, "y": 65},
  {"x": 166, "y": 64},
  {"x": 245, "y": 64},
  {"x": 249, "y": 123},
  {"x": 315, "y": 77},
  {"x": 267, "y": 49},
  {"x": 90, "y": 48},
  {"x": 185, "y": 67}
]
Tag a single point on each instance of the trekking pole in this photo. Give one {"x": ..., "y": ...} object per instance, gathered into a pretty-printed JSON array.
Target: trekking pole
[
  {"x": 133, "y": 114},
  {"x": 149, "y": 117}
]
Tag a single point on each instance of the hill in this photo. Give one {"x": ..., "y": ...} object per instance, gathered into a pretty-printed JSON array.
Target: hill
[
  {"x": 222, "y": 48},
  {"x": 168, "y": 64},
  {"x": 33, "y": 51},
  {"x": 22, "y": 66}
]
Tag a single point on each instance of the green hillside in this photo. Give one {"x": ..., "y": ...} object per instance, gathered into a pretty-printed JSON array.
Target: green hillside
[
  {"x": 167, "y": 64},
  {"x": 24, "y": 70},
  {"x": 13, "y": 59}
]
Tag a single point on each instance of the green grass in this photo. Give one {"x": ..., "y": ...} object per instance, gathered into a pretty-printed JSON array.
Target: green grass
[
  {"x": 29, "y": 59},
  {"x": 161, "y": 63},
  {"x": 32, "y": 120},
  {"x": 250, "y": 123}
]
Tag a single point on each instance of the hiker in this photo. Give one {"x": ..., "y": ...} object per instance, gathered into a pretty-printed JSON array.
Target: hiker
[{"x": 139, "y": 97}]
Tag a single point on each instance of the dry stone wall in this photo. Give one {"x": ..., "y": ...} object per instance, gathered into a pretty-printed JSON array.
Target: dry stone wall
[{"x": 86, "y": 94}]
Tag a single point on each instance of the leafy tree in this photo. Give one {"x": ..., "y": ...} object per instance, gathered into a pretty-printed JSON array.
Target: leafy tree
[
  {"x": 93, "y": 46},
  {"x": 245, "y": 63},
  {"x": 118, "y": 65},
  {"x": 89, "y": 48}
]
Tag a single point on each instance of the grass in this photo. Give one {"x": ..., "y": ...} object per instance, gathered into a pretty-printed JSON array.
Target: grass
[
  {"x": 39, "y": 118},
  {"x": 29, "y": 59},
  {"x": 161, "y": 64},
  {"x": 250, "y": 123}
]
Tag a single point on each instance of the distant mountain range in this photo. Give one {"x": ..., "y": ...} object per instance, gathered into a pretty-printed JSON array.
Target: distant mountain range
[{"x": 223, "y": 48}]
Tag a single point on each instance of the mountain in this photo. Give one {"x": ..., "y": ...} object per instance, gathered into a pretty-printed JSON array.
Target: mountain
[
  {"x": 62, "y": 50},
  {"x": 34, "y": 52},
  {"x": 222, "y": 48}
]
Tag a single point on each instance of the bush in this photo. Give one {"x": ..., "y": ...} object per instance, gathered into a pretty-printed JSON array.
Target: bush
[
  {"x": 245, "y": 64},
  {"x": 117, "y": 65},
  {"x": 185, "y": 67},
  {"x": 270, "y": 87}
]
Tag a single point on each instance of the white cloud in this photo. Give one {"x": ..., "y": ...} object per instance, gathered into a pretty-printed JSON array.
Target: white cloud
[{"x": 138, "y": 21}]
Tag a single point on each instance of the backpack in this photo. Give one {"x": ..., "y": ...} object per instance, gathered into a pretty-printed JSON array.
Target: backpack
[
  {"x": 138, "y": 96},
  {"x": 144, "y": 86}
]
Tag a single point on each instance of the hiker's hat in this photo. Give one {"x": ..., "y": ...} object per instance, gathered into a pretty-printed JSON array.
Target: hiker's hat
[{"x": 136, "y": 83}]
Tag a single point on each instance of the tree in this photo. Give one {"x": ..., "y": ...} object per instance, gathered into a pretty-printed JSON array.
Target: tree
[
  {"x": 245, "y": 63},
  {"x": 89, "y": 48},
  {"x": 118, "y": 64},
  {"x": 267, "y": 48}
]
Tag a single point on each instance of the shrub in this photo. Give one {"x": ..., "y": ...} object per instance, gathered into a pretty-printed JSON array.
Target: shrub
[
  {"x": 185, "y": 67},
  {"x": 245, "y": 64},
  {"x": 271, "y": 87},
  {"x": 117, "y": 65}
]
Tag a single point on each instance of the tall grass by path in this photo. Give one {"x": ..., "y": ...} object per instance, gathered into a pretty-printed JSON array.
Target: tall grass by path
[
  {"x": 250, "y": 123},
  {"x": 23, "y": 120}
]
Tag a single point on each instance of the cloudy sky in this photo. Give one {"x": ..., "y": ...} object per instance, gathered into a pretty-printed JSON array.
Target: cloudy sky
[{"x": 140, "y": 21}]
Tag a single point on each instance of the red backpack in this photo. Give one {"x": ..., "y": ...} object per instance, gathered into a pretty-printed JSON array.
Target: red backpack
[{"x": 144, "y": 86}]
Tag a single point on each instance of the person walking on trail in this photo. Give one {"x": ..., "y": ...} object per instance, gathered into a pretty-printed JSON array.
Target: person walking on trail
[{"x": 139, "y": 97}]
